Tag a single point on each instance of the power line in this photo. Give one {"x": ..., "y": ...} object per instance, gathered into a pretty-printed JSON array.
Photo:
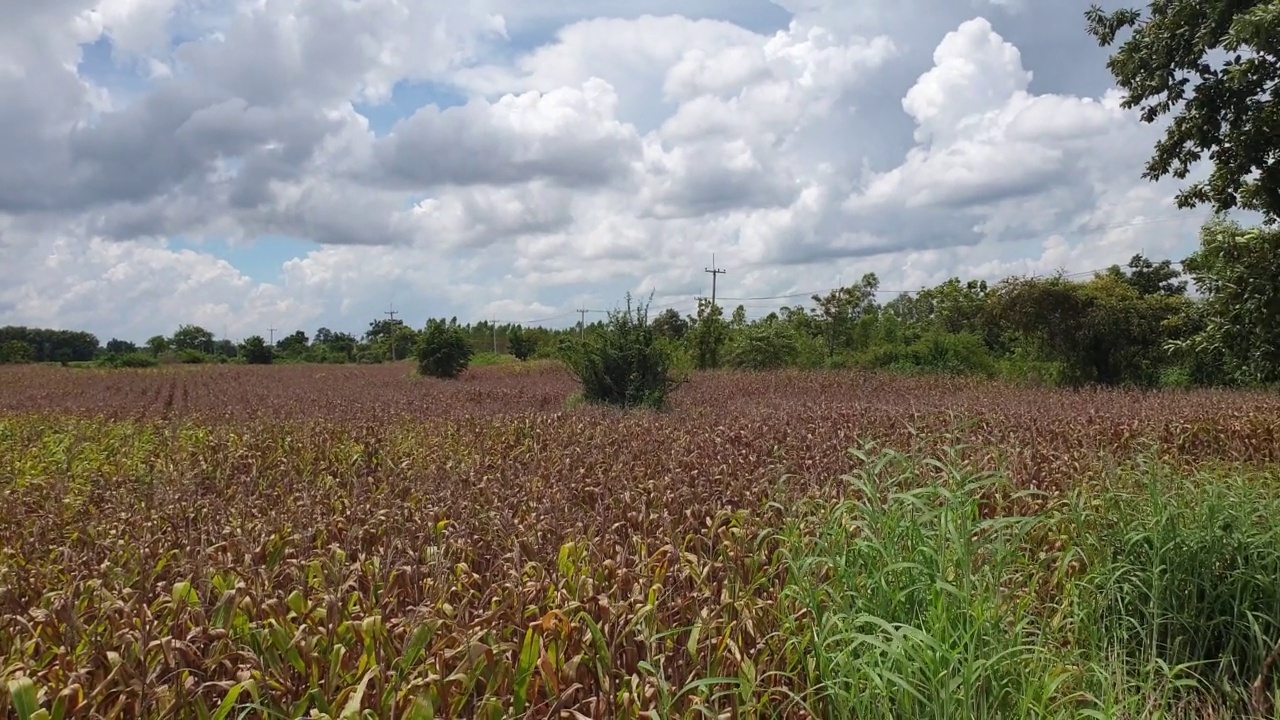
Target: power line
[{"x": 715, "y": 271}]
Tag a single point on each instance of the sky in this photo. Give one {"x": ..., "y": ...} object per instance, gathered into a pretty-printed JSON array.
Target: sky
[{"x": 295, "y": 164}]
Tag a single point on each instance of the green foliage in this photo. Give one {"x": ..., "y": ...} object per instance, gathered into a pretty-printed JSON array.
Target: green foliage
[
  {"x": 115, "y": 346},
  {"x": 1187, "y": 573},
  {"x": 256, "y": 351},
  {"x": 1101, "y": 331},
  {"x": 764, "y": 346},
  {"x": 157, "y": 345},
  {"x": 1230, "y": 113},
  {"x": 843, "y": 315},
  {"x": 708, "y": 336},
  {"x": 626, "y": 364},
  {"x": 293, "y": 345},
  {"x": 49, "y": 345},
  {"x": 521, "y": 344},
  {"x": 491, "y": 359},
  {"x": 16, "y": 352},
  {"x": 443, "y": 350},
  {"x": 128, "y": 360},
  {"x": 934, "y": 352},
  {"x": 670, "y": 324},
  {"x": 1238, "y": 271},
  {"x": 1147, "y": 594},
  {"x": 192, "y": 337}
]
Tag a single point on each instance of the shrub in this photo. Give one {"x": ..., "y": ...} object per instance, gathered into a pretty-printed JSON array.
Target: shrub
[
  {"x": 16, "y": 351},
  {"x": 256, "y": 351},
  {"x": 443, "y": 351},
  {"x": 626, "y": 364},
  {"x": 521, "y": 344},
  {"x": 128, "y": 360},
  {"x": 954, "y": 353},
  {"x": 764, "y": 346}
]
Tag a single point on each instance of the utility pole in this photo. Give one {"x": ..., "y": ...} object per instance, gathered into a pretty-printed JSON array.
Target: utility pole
[
  {"x": 391, "y": 313},
  {"x": 714, "y": 272},
  {"x": 582, "y": 324},
  {"x": 273, "y": 336},
  {"x": 495, "y": 336}
]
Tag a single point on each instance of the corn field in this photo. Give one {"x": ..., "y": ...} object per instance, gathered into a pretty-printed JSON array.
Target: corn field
[{"x": 352, "y": 542}]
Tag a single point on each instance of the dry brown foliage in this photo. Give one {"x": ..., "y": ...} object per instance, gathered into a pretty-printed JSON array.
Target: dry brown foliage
[{"x": 311, "y": 531}]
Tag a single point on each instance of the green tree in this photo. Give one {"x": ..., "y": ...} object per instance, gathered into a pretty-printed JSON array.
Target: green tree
[
  {"x": 764, "y": 346},
  {"x": 1238, "y": 272},
  {"x": 625, "y": 364},
  {"x": 120, "y": 347},
  {"x": 443, "y": 350},
  {"x": 293, "y": 345},
  {"x": 224, "y": 348},
  {"x": 521, "y": 344},
  {"x": 16, "y": 351},
  {"x": 1101, "y": 331},
  {"x": 157, "y": 345},
  {"x": 708, "y": 335},
  {"x": 1231, "y": 112},
  {"x": 192, "y": 337},
  {"x": 1155, "y": 278},
  {"x": 256, "y": 351},
  {"x": 841, "y": 311},
  {"x": 670, "y": 324}
]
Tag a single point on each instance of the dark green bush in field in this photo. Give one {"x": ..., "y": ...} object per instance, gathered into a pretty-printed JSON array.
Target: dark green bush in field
[
  {"x": 522, "y": 345},
  {"x": 128, "y": 360},
  {"x": 626, "y": 364},
  {"x": 256, "y": 351},
  {"x": 443, "y": 350}
]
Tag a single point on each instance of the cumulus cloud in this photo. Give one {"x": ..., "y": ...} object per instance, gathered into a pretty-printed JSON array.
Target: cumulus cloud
[
  {"x": 568, "y": 134},
  {"x": 802, "y": 142}
]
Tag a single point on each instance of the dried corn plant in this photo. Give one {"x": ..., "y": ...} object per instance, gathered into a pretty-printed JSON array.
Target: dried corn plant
[{"x": 357, "y": 542}]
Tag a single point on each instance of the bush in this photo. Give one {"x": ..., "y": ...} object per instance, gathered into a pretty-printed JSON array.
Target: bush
[
  {"x": 256, "y": 351},
  {"x": 953, "y": 353},
  {"x": 764, "y": 346},
  {"x": 128, "y": 360},
  {"x": 521, "y": 344},
  {"x": 626, "y": 364},
  {"x": 16, "y": 352},
  {"x": 443, "y": 351}
]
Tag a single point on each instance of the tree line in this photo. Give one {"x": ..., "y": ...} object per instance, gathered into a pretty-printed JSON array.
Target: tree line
[
  {"x": 1134, "y": 325},
  {"x": 1137, "y": 325}
]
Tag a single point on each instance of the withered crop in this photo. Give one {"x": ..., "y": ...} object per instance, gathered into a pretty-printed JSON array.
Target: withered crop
[{"x": 347, "y": 540}]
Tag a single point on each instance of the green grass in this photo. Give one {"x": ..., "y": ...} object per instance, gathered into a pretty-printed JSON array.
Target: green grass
[
  {"x": 490, "y": 359},
  {"x": 1154, "y": 594}
]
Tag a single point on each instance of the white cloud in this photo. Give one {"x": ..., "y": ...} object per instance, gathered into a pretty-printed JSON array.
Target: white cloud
[{"x": 911, "y": 138}]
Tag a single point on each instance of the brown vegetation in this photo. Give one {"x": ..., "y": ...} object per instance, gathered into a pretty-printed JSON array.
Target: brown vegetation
[{"x": 316, "y": 531}]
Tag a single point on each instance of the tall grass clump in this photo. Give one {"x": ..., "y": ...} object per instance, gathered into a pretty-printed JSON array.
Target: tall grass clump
[
  {"x": 626, "y": 363},
  {"x": 1187, "y": 577},
  {"x": 1150, "y": 593},
  {"x": 905, "y": 601}
]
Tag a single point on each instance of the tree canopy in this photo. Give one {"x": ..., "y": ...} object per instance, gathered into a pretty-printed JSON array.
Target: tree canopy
[{"x": 1230, "y": 110}]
